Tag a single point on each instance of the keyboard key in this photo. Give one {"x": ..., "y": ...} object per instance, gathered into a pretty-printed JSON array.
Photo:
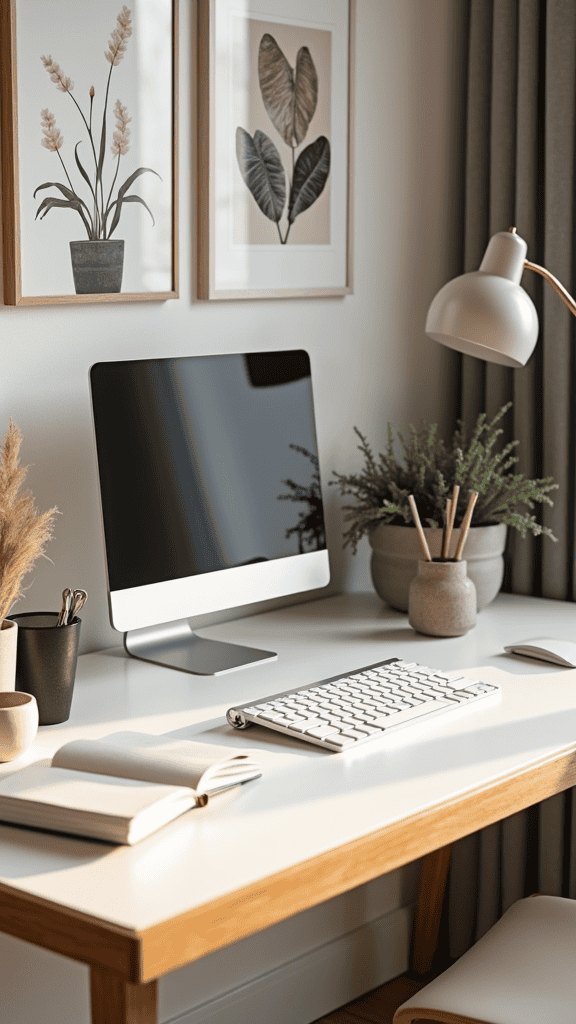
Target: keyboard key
[
  {"x": 482, "y": 688},
  {"x": 320, "y": 731},
  {"x": 407, "y": 716},
  {"x": 308, "y": 723},
  {"x": 287, "y": 722}
]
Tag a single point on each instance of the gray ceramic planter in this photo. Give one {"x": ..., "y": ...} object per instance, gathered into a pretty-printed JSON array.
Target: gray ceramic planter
[
  {"x": 396, "y": 552},
  {"x": 97, "y": 266}
]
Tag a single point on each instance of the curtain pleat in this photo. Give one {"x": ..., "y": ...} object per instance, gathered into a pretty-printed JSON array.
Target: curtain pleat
[
  {"x": 571, "y": 886},
  {"x": 477, "y": 194},
  {"x": 551, "y": 845},
  {"x": 502, "y": 162},
  {"x": 513, "y": 864},
  {"x": 462, "y": 895},
  {"x": 519, "y": 170},
  {"x": 524, "y": 576},
  {"x": 558, "y": 323}
]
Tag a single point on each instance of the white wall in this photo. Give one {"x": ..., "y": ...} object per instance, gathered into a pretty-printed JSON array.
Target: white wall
[{"x": 371, "y": 362}]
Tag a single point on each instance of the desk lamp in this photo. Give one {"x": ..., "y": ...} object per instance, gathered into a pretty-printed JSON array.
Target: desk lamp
[{"x": 486, "y": 313}]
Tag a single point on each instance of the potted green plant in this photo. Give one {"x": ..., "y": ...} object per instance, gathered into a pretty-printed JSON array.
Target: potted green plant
[
  {"x": 23, "y": 536},
  {"x": 429, "y": 469},
  {"x": 98, "y": 261}
]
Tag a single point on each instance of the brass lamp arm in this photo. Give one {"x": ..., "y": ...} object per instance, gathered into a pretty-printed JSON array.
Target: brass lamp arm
[{"x": 558, "y": 288}]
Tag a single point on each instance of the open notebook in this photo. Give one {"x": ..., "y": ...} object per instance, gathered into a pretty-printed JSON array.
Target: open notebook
[{"x": 123, "y": 787}]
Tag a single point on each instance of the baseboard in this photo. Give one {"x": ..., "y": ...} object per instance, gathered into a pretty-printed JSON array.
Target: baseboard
[{"x": 318, "y": 982}]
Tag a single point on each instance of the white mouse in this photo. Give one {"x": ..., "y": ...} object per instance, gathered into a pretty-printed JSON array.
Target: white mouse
[{"x": 559, "y": 652}]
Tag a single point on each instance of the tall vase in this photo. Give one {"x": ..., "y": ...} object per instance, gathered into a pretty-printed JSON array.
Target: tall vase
[{"x": 8, "y": 642}]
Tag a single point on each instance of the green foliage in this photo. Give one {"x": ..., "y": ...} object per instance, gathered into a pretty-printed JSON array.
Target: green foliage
[{"x": 429, "y": 469}]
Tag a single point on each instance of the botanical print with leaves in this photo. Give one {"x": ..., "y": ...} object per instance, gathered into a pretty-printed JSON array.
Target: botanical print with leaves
[{"x": 283, "y": 147}]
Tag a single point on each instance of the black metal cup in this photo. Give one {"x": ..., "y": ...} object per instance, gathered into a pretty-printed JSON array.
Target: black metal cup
[{"x": 46, "y": 657}]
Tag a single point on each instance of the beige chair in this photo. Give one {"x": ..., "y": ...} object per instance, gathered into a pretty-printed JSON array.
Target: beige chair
[{"x": 523, "y": 971}]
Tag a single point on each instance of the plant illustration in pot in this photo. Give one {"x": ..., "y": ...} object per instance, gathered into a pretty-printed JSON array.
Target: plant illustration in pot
[
  {"x": 97, "y": 262},
  {"x": 290, "y": 96},
  {"x": 24, "y": 533}
]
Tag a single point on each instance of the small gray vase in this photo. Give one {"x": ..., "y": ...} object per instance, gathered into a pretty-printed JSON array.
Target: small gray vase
[
  {"x": 442, "y": 600},
  {"x": 97, "y": 266}
]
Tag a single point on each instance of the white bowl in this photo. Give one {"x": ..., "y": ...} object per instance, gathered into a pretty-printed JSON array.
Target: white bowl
[{"x": 18, "y": 723}]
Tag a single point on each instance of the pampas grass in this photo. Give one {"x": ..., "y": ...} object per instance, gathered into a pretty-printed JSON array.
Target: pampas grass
[
  {"x": 23, "y": 531},
  {"x": 119, "y": 37}
]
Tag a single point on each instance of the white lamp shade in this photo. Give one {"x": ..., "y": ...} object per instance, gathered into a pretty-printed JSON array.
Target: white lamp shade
[{"x": 486, "y": 313}]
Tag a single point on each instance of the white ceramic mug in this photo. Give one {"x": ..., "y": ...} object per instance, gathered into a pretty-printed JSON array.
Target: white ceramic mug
[{"x": 18, "y": 723}]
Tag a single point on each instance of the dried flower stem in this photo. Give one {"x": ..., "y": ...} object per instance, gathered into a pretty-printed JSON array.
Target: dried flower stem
[
  {"x": 65, "y": 84},
  {"x": 23, "y": 531},
  {"x": 114, "y": 54}
]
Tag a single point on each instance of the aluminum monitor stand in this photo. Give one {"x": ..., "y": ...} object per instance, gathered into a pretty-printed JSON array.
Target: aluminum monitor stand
[{"x": 175, "y": 645}]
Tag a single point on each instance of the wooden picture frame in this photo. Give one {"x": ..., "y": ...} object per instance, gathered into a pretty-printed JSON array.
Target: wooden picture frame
[
  {"x": 83, "y": 190},
  {"x": 251, "y": 188}
]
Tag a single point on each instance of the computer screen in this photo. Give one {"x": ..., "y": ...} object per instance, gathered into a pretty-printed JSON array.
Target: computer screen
[{"x": 209, "y": 481}]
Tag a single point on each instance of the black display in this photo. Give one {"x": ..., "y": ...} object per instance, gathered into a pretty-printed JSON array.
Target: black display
[{"x": 205, "y": 462}]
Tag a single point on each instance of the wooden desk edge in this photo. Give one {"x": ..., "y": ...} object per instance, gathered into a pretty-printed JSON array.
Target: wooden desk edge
[
  {"x": 141, "y": 956},
  {"x": 171, "y": 944},
  {"x": 93, "y": 941}
]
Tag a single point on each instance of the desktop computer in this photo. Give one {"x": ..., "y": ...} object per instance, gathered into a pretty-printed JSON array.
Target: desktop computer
[
  {"x": 210, "y": 496},
  {"x": 211, "y": 499}
]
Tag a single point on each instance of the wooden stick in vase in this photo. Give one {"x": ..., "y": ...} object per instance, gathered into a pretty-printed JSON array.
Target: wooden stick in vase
[
  {"x": 418, "y": 524},
  {"x": 445, "y": 531},
  {"x": 454, "y": 503},
  {"x": 465, "y": 526}
]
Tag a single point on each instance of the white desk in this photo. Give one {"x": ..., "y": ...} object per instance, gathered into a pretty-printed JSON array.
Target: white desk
[{"x": 315, "y": 825}]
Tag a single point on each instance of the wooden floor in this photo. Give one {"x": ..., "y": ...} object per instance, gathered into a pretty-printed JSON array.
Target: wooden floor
[{"x": 378, "y": 1007}]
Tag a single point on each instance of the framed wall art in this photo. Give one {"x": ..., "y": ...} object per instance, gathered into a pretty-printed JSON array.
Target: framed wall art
[
  {"x": 89, "y": 150},
  {"x": 275, "y": 148}
]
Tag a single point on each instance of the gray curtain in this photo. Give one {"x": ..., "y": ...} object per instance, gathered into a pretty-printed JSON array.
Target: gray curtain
[{"x": 519, "y": 169}]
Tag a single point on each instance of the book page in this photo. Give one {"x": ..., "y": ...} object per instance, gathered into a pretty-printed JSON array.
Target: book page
[
  {"x": 205, "y": 767},
  {"x": 117, "y": 809}
]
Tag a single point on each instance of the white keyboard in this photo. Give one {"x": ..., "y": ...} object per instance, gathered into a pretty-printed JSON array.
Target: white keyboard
[{"x": 345, "y": 710}]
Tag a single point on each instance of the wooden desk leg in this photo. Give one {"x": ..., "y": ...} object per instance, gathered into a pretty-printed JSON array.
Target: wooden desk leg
[
  {"x": 120, "y": 1002},
  {"x": 429, "y": 910}
]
